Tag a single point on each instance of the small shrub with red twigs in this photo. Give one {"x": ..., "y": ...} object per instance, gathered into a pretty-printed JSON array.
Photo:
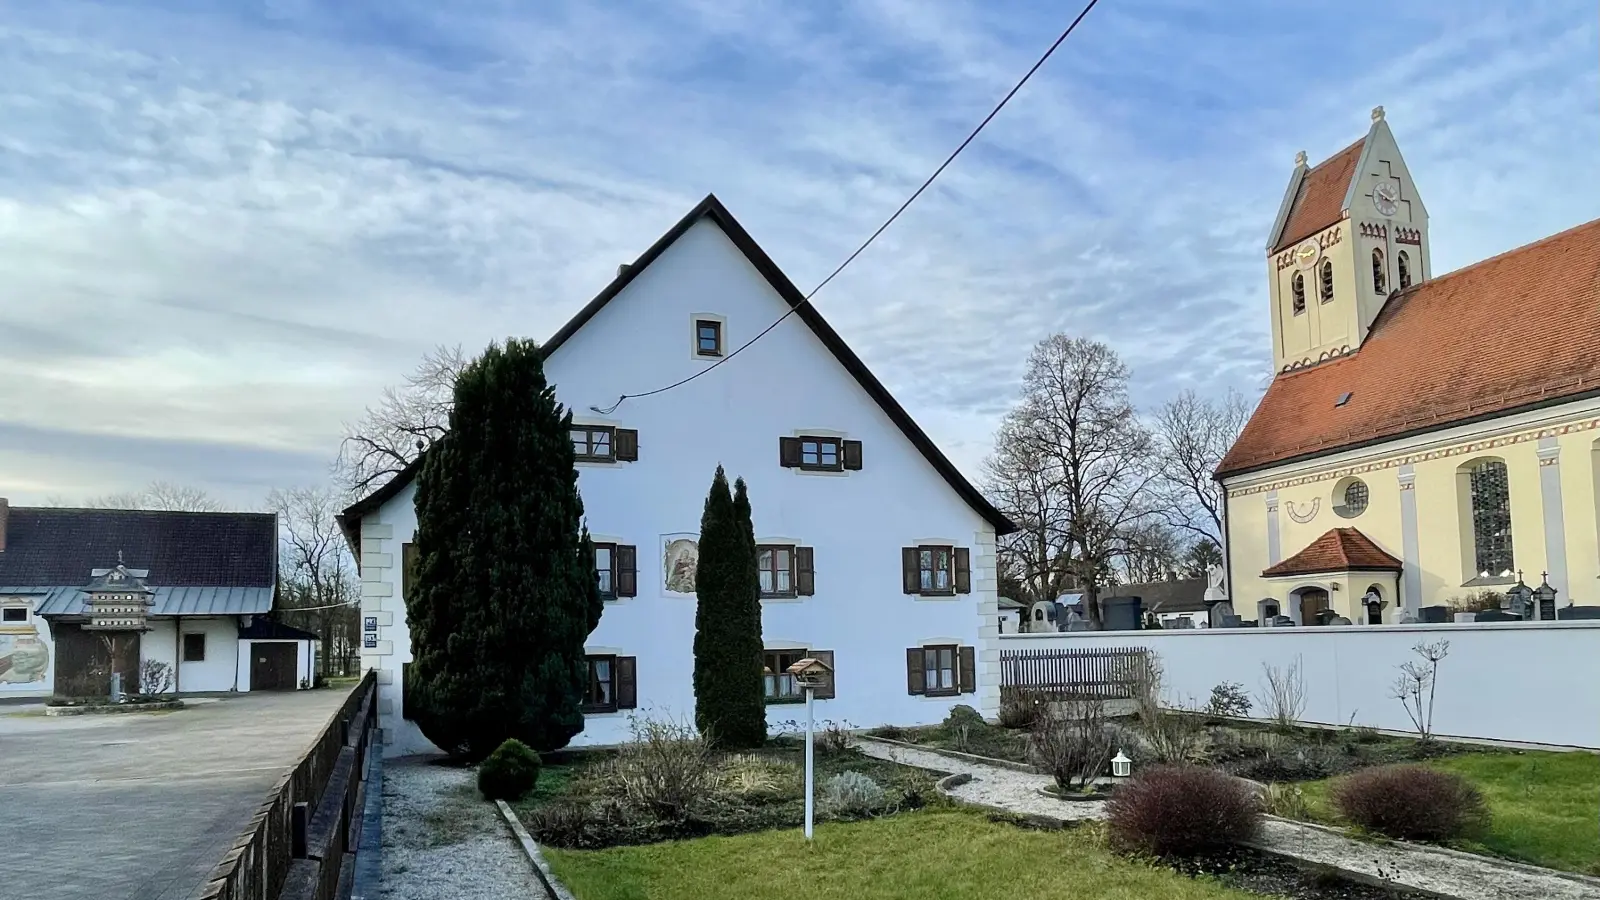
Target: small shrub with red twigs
[
  {"x": 1182, "y": 811},
  {"x": 1413, "y": 803}
]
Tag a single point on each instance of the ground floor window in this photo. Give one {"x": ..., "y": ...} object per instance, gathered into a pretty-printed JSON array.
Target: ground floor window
[
  {"x": 781, "y": 686},
  {"x": 600, "y": 691},
  {"x": 194, "y": 647},
  {"x": 939, "y": 670}
]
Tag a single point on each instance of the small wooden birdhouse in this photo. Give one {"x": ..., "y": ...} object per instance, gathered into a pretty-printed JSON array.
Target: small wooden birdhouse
[
  {"x": 118, "y": 599},
  {"x": 810, "y": 672}
]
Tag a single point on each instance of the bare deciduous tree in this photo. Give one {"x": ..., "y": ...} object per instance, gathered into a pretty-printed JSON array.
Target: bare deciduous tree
[
  {"x": 1019, "y": 480},
  {"x": 1077, "y": 461},
  {"x": 1154, "y": 552},
  {"x": 1192, "y": 435},
  {"x": 386, "y": 438},
  {"x": 318, "y": 587},
  {"x": 159, "y": 495}
]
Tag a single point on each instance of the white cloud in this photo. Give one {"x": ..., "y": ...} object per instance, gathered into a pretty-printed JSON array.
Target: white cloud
[{"x": 220, "y": 235}]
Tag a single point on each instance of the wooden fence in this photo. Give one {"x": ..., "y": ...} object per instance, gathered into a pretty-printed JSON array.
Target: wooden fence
[
  {"x": 1056, "y": 674},
  {"x": 300, "y": 844}
]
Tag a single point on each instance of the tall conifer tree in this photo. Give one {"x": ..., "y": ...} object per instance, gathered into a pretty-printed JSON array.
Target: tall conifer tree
[
  {"x": 727, "y": 641},
  {"x": 505, "y": 591}
]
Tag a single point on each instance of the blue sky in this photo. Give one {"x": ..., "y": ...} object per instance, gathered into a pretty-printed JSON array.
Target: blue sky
[{"x": 225, "y": 226}]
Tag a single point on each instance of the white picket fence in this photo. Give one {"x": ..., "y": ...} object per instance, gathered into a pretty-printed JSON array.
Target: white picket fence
[{"x": 1526, "y": 681}]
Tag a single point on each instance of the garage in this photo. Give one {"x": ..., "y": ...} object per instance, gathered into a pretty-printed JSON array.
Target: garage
[{"x": 276, "y": 657}]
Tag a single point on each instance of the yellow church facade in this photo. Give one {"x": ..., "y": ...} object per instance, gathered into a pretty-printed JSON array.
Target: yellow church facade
[{"x": 1424, "y": 438}]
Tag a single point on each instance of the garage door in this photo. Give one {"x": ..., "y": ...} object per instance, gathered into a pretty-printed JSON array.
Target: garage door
[{"x": 272, "y": 666}]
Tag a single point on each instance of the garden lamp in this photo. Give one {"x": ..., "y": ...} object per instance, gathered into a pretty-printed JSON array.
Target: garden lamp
[
  {"x": 1121, "y": 765},
  {"x": 810, "y": 674}
]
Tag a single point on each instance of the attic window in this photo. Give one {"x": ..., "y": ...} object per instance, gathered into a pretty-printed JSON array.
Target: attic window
[
  {"x": 1343, "y": 399},
  {"x": 14, "y": 614}
]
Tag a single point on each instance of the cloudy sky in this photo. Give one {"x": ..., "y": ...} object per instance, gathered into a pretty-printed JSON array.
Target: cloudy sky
[{"x": 225, "y": 226}]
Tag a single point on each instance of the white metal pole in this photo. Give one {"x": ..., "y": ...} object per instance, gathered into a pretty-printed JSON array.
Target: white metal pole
[{"x": 809, "y": 777}]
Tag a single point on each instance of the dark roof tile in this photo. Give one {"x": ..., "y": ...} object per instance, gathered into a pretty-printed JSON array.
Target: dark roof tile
[{"x": 47, "y": 546}]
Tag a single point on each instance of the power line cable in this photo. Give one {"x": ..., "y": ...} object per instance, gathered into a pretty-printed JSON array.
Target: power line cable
[{"x": 881, "y": 228}]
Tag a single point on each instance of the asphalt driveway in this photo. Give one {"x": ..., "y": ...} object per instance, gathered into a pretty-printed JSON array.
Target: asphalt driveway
[{"x": 141, "y": 806}]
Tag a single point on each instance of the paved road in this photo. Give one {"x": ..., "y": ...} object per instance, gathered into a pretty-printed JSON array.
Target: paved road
[{"x": 140, "y": 807}]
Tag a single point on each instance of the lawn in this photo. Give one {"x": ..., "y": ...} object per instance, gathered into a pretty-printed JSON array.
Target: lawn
[
  {"x": 1543, "y": 806},
  {"x": 929, "y": 855}
]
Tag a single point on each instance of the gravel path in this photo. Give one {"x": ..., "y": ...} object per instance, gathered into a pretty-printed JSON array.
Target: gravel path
[
  {"x": 990, "y": 786},
  {"x": 441, "y": 841},
  {"x": 1457, "y": 875}
]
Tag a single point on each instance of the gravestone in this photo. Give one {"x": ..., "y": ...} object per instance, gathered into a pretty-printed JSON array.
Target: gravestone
[
  {"x": 1282, "y": 622},
  {"x": 1466, "y": 617},
  {"x": 1434, "y": 615},
  {"x": 1580, "y": 612},
  {"x": 1495, "y": 615},
  {"x": 1339, "y": 620}
]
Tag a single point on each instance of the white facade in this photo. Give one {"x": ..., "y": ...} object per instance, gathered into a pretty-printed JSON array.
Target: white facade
[
  {"x": 857, "y": 522},
  {"x": 217, "y": 671}
]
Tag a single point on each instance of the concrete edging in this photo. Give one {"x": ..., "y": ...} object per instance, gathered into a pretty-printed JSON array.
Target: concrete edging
[
  {"x": 957, "y": 754},
  {"x": 113, "y": 709},
  {"x": 531, "y": 848}
]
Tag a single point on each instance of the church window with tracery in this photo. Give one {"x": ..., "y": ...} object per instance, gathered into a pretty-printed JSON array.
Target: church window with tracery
[
  {"x": 1327, "y": 281},
  {"x": 1380, "y": 281},
  {"x": 1403, "y": 263}
]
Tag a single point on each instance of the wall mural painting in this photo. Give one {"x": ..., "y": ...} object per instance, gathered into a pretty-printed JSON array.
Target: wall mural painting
[
  {"x": 680, "y": 557},
  {"x": 24, "y": 658}
]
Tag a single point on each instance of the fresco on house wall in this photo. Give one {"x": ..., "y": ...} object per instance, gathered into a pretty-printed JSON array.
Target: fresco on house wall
[
  {"x": 680, "y": 557},
  {"x": 24, "y": 658}
]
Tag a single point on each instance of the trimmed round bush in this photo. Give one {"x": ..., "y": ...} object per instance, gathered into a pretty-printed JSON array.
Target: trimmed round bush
[
  {"x": 509, "y": 773},
  {"x": 1412, "y": 803},
  {"x": 1182, "y": 811},
  {"x": 962, "y": 714}
]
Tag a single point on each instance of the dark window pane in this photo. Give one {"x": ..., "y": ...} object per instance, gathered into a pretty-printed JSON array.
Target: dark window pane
[{"x": 1491, "y": 517}]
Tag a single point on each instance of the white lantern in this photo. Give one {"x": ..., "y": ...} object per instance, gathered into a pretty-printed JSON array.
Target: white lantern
[{"x": 1121, "y": 765}]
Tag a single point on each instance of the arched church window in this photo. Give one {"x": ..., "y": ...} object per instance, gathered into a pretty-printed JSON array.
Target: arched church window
[
  {"x": 1380, "y": 282},
  {"x": 1491, "y": 516},
  {"x": 1403, "y": 263},
  {"x": 1299, "y": 288},
  {"x": 1327, "y": 281}
]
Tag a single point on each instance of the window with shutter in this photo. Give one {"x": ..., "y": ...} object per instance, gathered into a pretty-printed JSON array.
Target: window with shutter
[
  {"x": 969, "y": 670},
  {"x": 935, "y": 570},
  {"x": 916, "y": 678},
  {"x": 627, "y": 444},
  {"x": 594, "y": 443},
  {"x": 852, "y": 455},
  {"x": 777, "y": 570},
  {"x": 605, "y": 566},
  {"x": 826, "y": 691},
  {"x": 778, "y": 685},
  {"x": 600, "y": 689},
  {"x": 910, "y": 581},
  {"x": 627, "y": 675},
  {"x": 940, "y": 671},
  {"x": 805, "y": 579},
  {"x": 627, "y": 570},
  {"x": 408, "y": 568}
]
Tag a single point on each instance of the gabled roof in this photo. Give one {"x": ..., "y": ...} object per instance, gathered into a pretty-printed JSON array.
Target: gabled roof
[
  {"x": 712, "y": 209},
  {"x": 1340, "y": 550},
  {"x": 53, "y": 547},
  {"x": 1514, "y": 332},
  {"x": 1319, "y": 197}
]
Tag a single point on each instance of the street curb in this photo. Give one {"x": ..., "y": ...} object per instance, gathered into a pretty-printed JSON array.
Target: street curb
[{"x": 529, "y": 847}]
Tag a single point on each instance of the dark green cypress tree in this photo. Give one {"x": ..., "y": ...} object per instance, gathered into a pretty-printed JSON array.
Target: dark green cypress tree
[
  {"x": 505, "y": 589},
  {"x": 755, "y": 701},
  {"x": 727, "y": 673}
]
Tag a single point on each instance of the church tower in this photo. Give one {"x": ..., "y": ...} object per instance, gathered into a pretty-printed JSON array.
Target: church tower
[{"x": 1350, "y": 232}]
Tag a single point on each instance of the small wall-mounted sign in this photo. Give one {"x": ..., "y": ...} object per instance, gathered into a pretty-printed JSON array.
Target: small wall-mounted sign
[
  {"x": 369, "y": 642},
  {"x": 370, "y": 623}
]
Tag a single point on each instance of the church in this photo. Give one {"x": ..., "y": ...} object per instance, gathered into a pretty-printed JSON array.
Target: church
[{"x": 1424, "y": 439}]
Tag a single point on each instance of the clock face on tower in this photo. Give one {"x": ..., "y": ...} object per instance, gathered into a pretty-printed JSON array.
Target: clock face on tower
[{"x": 1384, "y": 197}]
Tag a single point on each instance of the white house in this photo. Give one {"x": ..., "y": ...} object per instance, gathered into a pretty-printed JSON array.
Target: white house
[
  {"x": 877, "y": 554},
  {"x": 202, "y": 587}
]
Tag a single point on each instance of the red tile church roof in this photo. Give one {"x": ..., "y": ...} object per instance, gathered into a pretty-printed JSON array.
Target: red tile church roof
[
  {"x": 1340, "y": 550},
  {"x": 1319, "y": 201},
  {"x": 1514, "y": 331}
]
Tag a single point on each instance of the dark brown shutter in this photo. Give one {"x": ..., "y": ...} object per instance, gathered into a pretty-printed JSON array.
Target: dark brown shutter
[
  {"x": 408, "y": 569},
  {"x": 916, "y": 679},
  {"x": 969, "y": 670},
  {"x": 963, "y": 570},
  {"x": 825, "y": 692},
  {"x": 626, "y": 577},
  {"x": 805, "y": 579},
  {"x": 852, "y": 454},
  {"x": 910, "y": 572},
  {"x": 627, "y": 444},
  {"x": 789, "y": 452},
  {"x": 626, "y": 671}
]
